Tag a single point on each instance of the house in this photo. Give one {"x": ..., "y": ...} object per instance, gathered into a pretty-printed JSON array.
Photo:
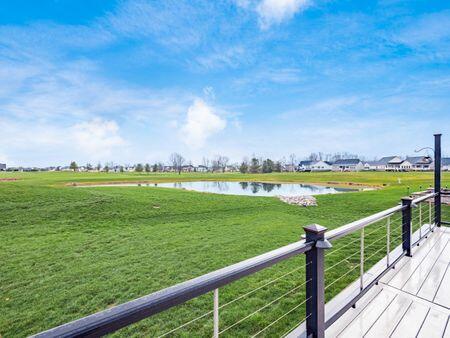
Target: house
[
  {"x": 370, "y": 165},
  {"x": 445, "y": 163},
  {"x": 321, "y": 166},
  {"x": 305, "y": 165},
  {"x": 187, "y": 168},
  {"x": 387, "y": 163},
  {"x": 202, "y": 169},
  {"x": 350, "y": 164},
  {"x": 2, "y": 166},
  {"x": 420, "y": 163}
]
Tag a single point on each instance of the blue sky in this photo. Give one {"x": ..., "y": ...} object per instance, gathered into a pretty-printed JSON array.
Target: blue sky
[{"x": 133, "y": 81}]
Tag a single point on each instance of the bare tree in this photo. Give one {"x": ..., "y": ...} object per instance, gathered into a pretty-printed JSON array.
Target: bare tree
[
  {"x": 292, "y": 161},
  {"x": 206, "y": 162},
  {"x": 177, "y": 162}
]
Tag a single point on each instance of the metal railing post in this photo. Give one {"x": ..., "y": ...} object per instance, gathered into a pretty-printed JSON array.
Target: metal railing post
[
  {"x": 406, "y": 225},
  {"x": 361, "y": 261},
  {"x": 315, "y": 284},
  {"x": 430, "y": 221},
  {"x": 216, "y": 313},
  {"x": 437, "y": 179},
  {"x": 388, "y": 240},
  {"x": 420, "y": 223}
]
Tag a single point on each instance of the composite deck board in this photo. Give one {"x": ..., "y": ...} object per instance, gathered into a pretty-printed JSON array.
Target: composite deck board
[
  {"x": 412, "y": 300},
  {"x": 430, "y": 286},
  {"x": 411, "y": 322},
  {"x": 364, "y": 321},
  {"x": 434, "y": 325},
  {"x": 426, "y": 265},
  {"x": 443, "y": 293},
  {"x": 402, "y": 276},
  {"x": 391, "y": 316}
]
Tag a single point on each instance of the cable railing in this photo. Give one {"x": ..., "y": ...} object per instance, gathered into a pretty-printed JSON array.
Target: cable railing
[{"x": 298, "y": 293}]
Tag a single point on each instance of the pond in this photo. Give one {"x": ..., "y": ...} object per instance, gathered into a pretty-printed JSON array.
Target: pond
[{"x": 246, "y": 188}]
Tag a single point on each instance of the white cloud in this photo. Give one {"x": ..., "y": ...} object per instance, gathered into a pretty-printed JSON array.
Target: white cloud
[
  {"x": 97, "y": 137},
  {"x": 202, "y": 122},
  {"x": 276, "y": 11}
]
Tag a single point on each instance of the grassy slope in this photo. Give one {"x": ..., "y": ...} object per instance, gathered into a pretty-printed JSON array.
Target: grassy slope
[{"x": 68, "y": 252}]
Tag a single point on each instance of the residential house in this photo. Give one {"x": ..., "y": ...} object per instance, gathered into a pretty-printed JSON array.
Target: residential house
[
  {"x": 202, "y": 169},
  {"x": 305, "y": 165},
  {"x": 350, "y": 164},
  {"x": 387, "y": 163},
  {"x": 420, "y": 163},
  {"x": 321, "y": 166},
  {"x": 2, "y": 166},
  {"x": 188, "y": 168},
  {"x": 445, "y": 162},
  {"x": 370, "y": 165}
]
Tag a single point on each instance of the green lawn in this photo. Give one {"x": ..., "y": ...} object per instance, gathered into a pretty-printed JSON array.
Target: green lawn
[{"x": 68, "y": 252}]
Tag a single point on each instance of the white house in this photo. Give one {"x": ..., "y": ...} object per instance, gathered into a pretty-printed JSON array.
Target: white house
[
  {"x": 202, "y": 169},
  {"x": 305, "y": 165},
  {"x": 2, "y": 166},
  {"x": 351, "y": 164},
  {"x": 420, "y": 163},
  {"x": 321, "y": 166},
  {"x": 370, "y": 165}
]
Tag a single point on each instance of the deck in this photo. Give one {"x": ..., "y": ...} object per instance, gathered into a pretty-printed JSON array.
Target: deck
[{"x": 412, "y": 300}]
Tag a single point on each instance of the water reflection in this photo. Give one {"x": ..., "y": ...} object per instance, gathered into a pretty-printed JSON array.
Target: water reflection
[{"x": 254, "y": 188}]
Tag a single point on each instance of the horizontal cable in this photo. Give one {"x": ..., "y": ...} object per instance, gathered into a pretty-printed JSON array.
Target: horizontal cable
[
  {"x": 345, "y": 274},
  {"x": 262, "y": 286},
  {"x": 281, "y": 317},
  {"x": 186, "y": 324},
  {"x": 265, "y": 306},
  {"x": 296, "y": 325}
]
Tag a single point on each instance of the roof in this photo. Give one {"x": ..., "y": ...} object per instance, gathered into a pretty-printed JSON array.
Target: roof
[
  {"x": 419, "y": 160},
  {"x": 302, "y": 163},
  {"x": 445, "y": 161},
  {"x": 348, "y": 161}
]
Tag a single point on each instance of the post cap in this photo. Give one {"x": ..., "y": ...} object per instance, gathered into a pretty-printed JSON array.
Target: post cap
[
  {"x": 437, "y": 134},
  {"x": 407, "y": 198},
  {"x": 315, "y": 229}
]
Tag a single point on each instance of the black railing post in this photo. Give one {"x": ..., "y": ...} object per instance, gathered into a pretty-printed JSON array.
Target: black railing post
[
  {"x": 437, "y": 179},
  {"x": 406, "y": 225},
  {"x": 315, "y": 284}
]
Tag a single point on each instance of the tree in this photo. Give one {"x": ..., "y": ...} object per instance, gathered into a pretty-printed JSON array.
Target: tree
[
  {"x": 99, "y": 166},
  {"x": 177, "y": 162},
  {"x": 155, "y": 168},
  {"x": 293, "y": 161},
  {"x": 73, "y": 165},
  {"x": 267, "y": 166},
  {"x": 277, "y": 167},
  {"x": 121, "y": 169},
  {"x": 147, "y": 168},
  {"x": 106, "y": 168},
  {"x": 254, "y": 165},
  {"x": 139, "y": 168},
  {"x": 244, "y": 167},
  {"x": 88, "y": 166}
]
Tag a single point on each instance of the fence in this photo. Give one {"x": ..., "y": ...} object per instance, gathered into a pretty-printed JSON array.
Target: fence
[{"x": 297, "y": 305}]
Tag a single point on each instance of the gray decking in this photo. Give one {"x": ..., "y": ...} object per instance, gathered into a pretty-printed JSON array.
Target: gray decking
[{"x": 412, "y": 300}]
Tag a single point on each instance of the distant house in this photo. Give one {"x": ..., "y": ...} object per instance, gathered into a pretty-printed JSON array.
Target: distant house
[
  {"x": 202, "y": 169},
  {"x": 187, "y": 168},
  {"x": 305, "y": 165},
  {"x": 370, "y": 165},
  {"x": 2, "y": 166},
  {"x": 321, "y": 166},
  {"x": 351, "y": 164},
  {"x": 387, "y": 163},
  {"x": 420, "y": 163},
  {"x": 445, "y": 163}
]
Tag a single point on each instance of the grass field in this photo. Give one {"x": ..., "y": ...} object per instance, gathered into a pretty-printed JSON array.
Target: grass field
[{"x": 68, "y": 252}]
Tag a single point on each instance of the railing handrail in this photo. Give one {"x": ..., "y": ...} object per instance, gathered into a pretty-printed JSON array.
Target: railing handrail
[
  {"x": 112, "y": 319},
  {"x": 364, "y": 222}
]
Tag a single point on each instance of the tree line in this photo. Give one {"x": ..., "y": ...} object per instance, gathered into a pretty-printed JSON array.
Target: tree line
[{"x": 219, "y": 163}]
